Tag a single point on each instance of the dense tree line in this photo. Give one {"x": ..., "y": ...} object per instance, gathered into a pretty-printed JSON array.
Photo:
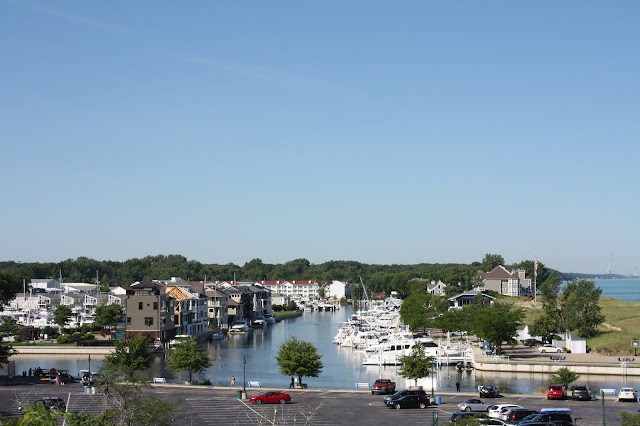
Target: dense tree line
[{"x": 378, "y": 278}]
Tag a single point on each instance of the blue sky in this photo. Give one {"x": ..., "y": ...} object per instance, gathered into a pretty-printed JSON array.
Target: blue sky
[{"x": 381, "y": 132}]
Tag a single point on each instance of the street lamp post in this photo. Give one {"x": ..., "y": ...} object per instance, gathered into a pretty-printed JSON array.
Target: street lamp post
[
  {"x": 89, "y": 366},
  {"x": 433, "y": 367},
  {"x": 244, "y": 377},
  {"x": 603, "y": 414}
]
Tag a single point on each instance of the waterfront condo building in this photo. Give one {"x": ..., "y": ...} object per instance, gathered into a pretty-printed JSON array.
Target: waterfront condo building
[{"x": 150, "y": 312}]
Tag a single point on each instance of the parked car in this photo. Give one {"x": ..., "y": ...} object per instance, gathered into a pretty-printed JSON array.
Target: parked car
[
  {"x": 409, "y": 401},
  {"x": 515, "y": 414},
  {"x": 549, "y": 348},
  {"x": 383, "y": 386},
  {"x": 531, "y": 342},
  {"x": 489, "y": 391},
  {"x": 547, "y": 415},
  {"x": 581, "y": 392},
  {"x": 63, "y": 377},
  {"x": 556, "y": 392},
  {"x": 51, "y": 404},
  {"x": 495, "y": 410},
  {"x": 474, "y": 405},
  {"x": 270, "y": 397},
  {"x": 406, "y": 392},
  {"x": 466, "y": 415},
  {"x": 628, "y": 394}
]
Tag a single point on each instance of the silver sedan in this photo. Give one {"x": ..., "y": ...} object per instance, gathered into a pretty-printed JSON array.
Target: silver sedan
[{"x": 474, "y": 405}]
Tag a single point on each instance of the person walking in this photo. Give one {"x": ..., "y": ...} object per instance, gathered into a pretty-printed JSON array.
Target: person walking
[
  {"x": 457, "y": 386},
  {"x": 233, "y": 380},
  {"x": 292, "y": 382}
]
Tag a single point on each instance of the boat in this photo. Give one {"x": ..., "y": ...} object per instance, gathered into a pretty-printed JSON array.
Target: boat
[
  {"x": 217, "y": 335},
  {"x": 269, "y": 319},
  {"x": 259, "y": 322},
  {"x": 178, "y": 339},
  {"x": 236, "y": 331},
  {"x": 239, "y": 325}
]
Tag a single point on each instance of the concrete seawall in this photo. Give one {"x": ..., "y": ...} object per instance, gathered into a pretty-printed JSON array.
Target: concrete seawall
[
  {"x": 552, "y": 367},
  {"x": 63, "y": 350}
]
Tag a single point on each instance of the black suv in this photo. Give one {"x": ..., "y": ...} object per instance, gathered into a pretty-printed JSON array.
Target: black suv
[
  {"x": 531, "y": 342},
  {"x": 489, "y": 391},
  {"x": 409, "y": 401},
  {"x": 581, "y": 392},
  {"x": 51, "y": 404},
  {"x": 406, "y": 392}
]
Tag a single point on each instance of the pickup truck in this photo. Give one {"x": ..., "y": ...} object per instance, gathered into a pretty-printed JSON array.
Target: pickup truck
[{"x": 383, "y": 386}]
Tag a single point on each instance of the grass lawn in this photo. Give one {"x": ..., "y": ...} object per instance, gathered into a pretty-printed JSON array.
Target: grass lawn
[
  {"x": 620, "y": 327},
  {"x": 279, "y": 313}
]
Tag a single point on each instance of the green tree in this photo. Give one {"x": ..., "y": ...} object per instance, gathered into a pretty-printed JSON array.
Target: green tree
[
  {"x": 581, "y": 309},
  {"x": 126, "y": 403},
  {"x": 414, "y": 310},
  {"x": 298, "y": 358},
  {"x": 10, "y": 284},
  {"x": 496, "y": 324},
  {"x": 545, "y": 327},
  {"x": 108, "y": 315},
  {"x": 8, "y": 328},
  {"x": 550, "y": 292},
  {"x": 130, "y": 355},
  {"x": 189, "y": 356},
  {"x": 563, "y": 376},
  {"x": 35, "y": 414},
  {"x": 490, "y": 261},
  {"x": 61, "y": 315},
  {"x": 415, "y": 365}
]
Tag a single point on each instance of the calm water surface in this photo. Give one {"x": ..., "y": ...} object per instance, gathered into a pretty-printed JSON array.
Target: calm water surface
[{"x": 342, "y": 366}]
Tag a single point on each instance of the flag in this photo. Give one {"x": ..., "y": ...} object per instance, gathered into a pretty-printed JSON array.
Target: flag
[{"x": 535, "y": 265}]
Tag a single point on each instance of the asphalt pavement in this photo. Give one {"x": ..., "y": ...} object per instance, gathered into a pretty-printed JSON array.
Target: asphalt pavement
[{"x": 207, "y": 405}]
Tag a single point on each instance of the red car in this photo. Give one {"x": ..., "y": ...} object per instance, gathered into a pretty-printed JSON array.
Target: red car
[
  {"x": 556, "y": 392},
  {"x": 270, "y": 397}
]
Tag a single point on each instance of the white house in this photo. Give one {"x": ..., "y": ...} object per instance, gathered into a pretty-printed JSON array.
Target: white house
[{"x": 338, "y": 290}]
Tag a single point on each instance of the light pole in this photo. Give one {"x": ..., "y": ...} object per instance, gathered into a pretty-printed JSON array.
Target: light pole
[
  {"x": 603, "y": 415},
  {"x": 89, "y": 366},
  {"x": 433, "y": 367},
  {"x": 244, "y": 377}
]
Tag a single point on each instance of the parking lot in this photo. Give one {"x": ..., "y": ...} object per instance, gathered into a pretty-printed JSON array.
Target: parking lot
[{"x": 220, "y": 406}]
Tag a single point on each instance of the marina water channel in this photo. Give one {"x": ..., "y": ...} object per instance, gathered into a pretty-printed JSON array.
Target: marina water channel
[{"x": 342, "y": 365}]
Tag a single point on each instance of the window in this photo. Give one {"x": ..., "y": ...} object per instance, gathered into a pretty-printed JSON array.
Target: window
[
  {"x": 140, "y": 305},
  {"x": 155, "y": 306},
  {"x": 148, "y": 321}
]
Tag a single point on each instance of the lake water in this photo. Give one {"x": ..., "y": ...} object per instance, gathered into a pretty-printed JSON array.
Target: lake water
[
  {"x": 627, "y": 289},
  {"x": 342, "y": 366}
]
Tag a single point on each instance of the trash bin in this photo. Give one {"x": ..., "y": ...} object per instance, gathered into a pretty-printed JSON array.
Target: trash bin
[
  {"x": 240, "y": 394},
  {"x": 438, "y": 399}
]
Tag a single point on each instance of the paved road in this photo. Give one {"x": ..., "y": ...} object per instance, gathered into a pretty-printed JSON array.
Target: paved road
[{"x": 220, "y": 406}]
